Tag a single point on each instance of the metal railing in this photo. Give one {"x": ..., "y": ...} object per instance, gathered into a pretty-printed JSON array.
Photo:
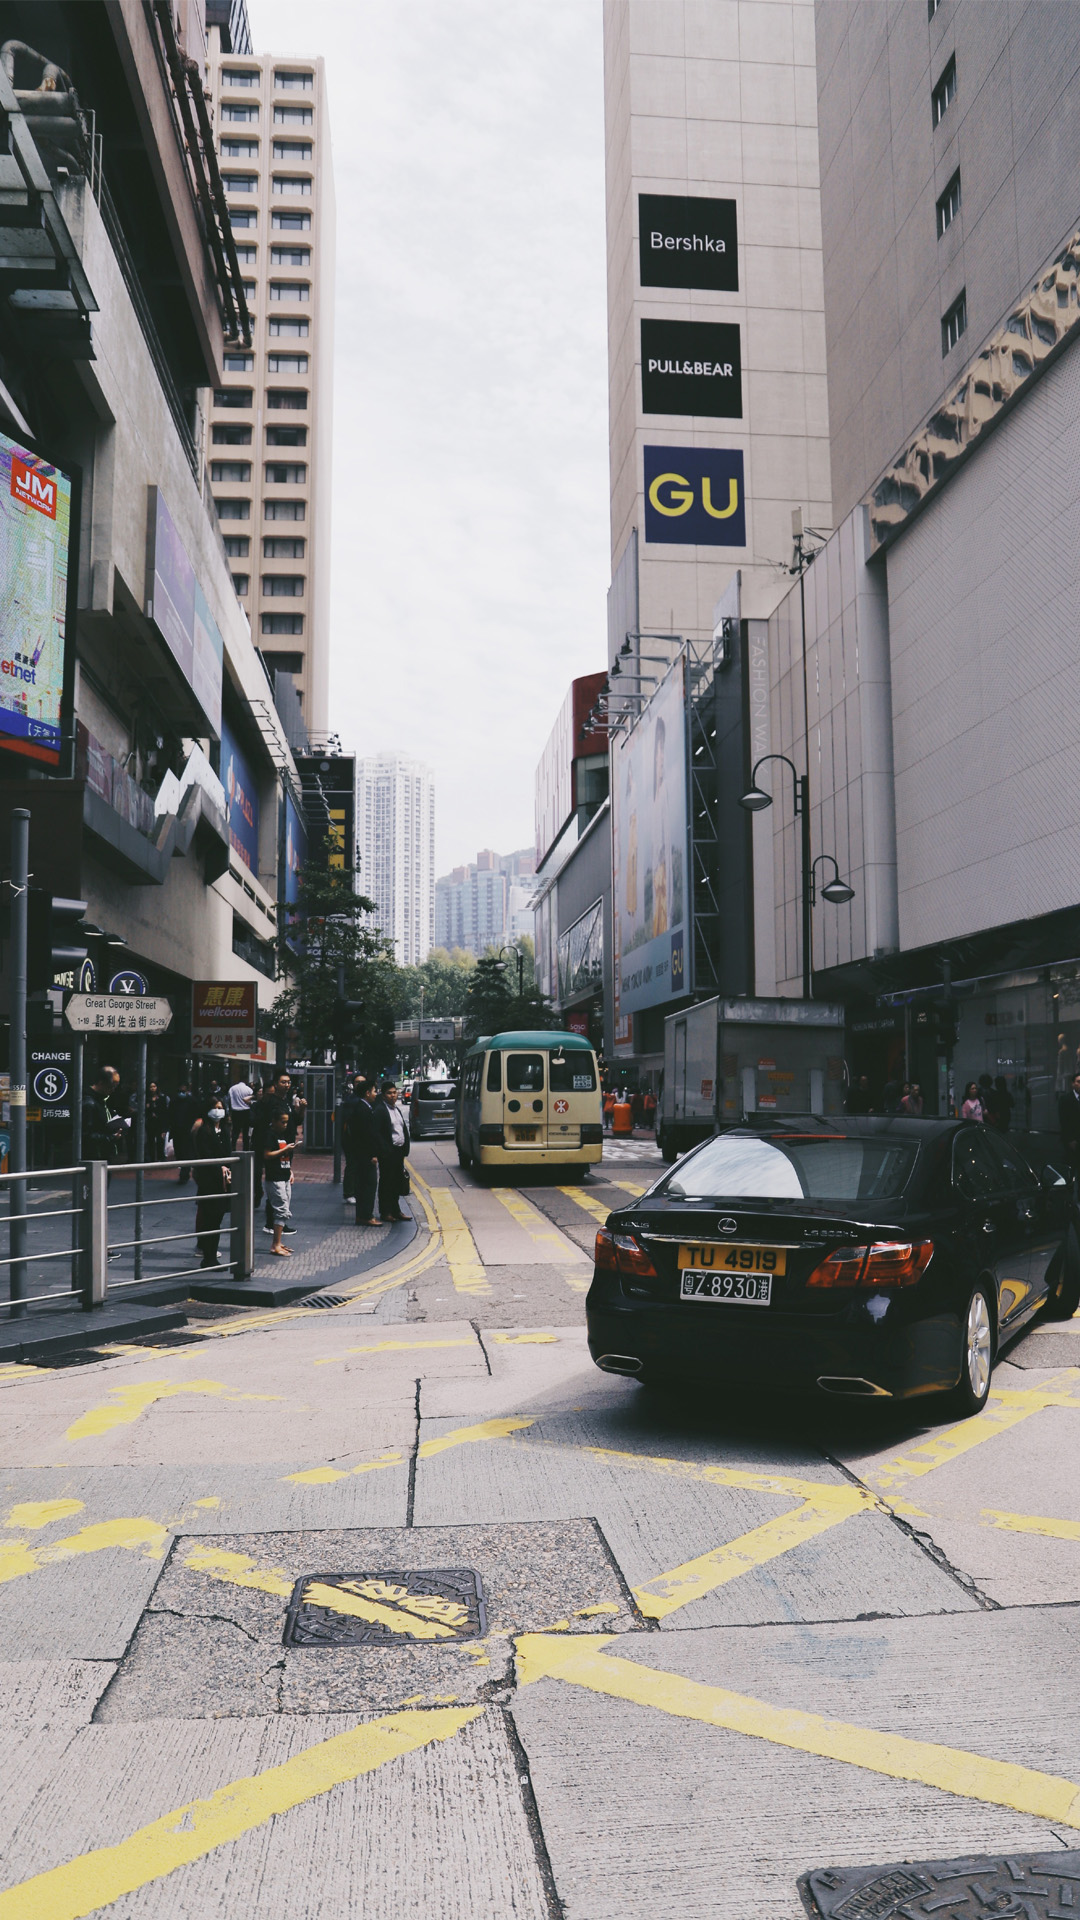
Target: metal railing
[{"x": 90, "y": 1250}]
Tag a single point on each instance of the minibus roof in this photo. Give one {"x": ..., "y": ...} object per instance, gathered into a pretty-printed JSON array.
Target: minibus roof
[{"x": 548, "y": 1039}]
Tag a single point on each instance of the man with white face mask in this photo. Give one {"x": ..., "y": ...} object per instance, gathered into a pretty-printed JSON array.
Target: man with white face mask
[{"x": 210, "y": 1136}]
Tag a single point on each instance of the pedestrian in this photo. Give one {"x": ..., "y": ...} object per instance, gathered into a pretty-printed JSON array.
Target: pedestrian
[
  {"x": 240, "y": 1099},
  {"x": 972, "y": 1107},
  {"x": 1002, "y": 1104},
  {"x": 912, "y": 1102},
  {"x": 349, "y": 1102},
  {"x": 282, "y": 1129},
  {"x": 858, "y": 1097},
  {"x": 184, "y": 1111},
  {"x": 1069, "y": 1122},
  {"x": 609, "y": 1109},
  {"x": 97, "y": 1121},
  {"x": 650, "y": 1110},
  {"x": 392, "y": 1149},
  {"x": 210, "y": 1136},
  {"x": 892, "y": 1094},
  {"x": 157, "y": 1121},
  {"x": 363, "y": 1150}
]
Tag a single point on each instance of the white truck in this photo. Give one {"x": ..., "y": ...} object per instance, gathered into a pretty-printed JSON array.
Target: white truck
[{"x": 727, "y": 1059}]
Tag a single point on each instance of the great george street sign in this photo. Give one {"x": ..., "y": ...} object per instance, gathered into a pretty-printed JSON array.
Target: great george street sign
[{"x": 117, "y": 1013}]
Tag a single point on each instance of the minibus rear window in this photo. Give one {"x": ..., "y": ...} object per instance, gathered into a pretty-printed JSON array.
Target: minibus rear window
[
  {"x": 494, "y": 1079},
  {"x": 572, "y": 1073},
  {"x": 525, "y": 1072}
]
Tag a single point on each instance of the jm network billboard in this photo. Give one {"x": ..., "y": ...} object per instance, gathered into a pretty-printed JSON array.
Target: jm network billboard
[
  {"x": 35, "y": 537},
  {"x": 242, "y": 799},
  {"x": 650, "y": 906},
  {"x": 179, "y": 610}
]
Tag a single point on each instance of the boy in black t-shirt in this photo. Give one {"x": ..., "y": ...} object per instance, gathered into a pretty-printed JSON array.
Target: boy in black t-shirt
[{"x": 280, "y": 1139}]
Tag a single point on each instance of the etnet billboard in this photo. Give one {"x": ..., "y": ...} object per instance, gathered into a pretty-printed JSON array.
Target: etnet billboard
[
  {"x": 649, "y": 820},
  {"x": 35, "y": 539},
  {"x": 223, "y": 1016}
]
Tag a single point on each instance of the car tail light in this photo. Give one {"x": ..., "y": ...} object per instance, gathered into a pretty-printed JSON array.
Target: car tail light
[
  {"x": 633, "y": 1258},
  {"x": 620, "y": 1253},
  {"x": 885, "y": 1263}
]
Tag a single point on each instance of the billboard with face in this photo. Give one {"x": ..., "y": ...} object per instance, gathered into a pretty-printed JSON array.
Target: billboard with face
[
  {"x": 35, "y": 538},
  {"x": 242, "y": 800},
  {"x": 649, "y": 815}
]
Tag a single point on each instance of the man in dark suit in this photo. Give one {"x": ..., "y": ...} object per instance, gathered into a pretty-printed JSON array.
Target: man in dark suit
[
  {"x": 1069, "y": 1123},
  {"x": 392, "y": 1147},
  {"x": 361, "y": 1152}
]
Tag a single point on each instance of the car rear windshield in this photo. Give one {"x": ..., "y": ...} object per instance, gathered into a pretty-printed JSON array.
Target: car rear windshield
[
  {"x": 798, "y": 1167},
  {"x": 435, "y": 1089}
]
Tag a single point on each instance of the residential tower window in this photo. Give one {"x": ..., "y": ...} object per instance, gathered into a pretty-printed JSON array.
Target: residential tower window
[
  {"x": 233, "y": 396},
  {"x": 281, "y": 546},
  {"x": 294, "y": 290},
  {"x": 294, "y": 150},
  {"x": 224, "y": 471},
  {"x": 240, "y": 182},
  {"x": 284, "y": 586},
  {"x": 230, "y": 434},
  {"x": 294, "y": 82},
  {"x": 240, "y": 77},
  {"x": 236, "y": 115},
  {"x": 237, "y": 546},
  {"x": 241, "y": 583},
  {"x": 233, "y": 509},
  {"x": 240, "y": 150},
  {"x": 290, "y": 256},
  {"x": 286, "y": 363},
  {"x": 298, "y": 188},
  {"x": 286, "y": 436},
  {"x": 291, "y": 222},
  {"x": 954, "y": 323},
  {"x": 944, "y": 91},
  {"x": 289, "y": 329},
  {"x": 293, "y": 116},
  {"x": 282, "y": 510},
  {"x": 282, "y": 473},
  {"x": 292, "y": 399},
  {"x": 948, "y": 205},
  {"x": 243, "y": 217},
  {"x": 283, "y": 623}
]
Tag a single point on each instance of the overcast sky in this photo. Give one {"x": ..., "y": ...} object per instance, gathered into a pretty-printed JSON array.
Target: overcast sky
[{"x": 470, "y": 419}]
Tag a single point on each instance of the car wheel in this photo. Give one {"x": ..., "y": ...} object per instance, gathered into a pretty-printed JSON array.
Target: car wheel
[
  {"x": 976, "y": 1356},
  {"x": 1064, "y": 1296}
]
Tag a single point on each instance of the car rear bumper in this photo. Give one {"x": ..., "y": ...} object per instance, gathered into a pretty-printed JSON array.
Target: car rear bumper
[
  {"x": 526, "y": 1156},
  {"x": 746, "y": 1348}
]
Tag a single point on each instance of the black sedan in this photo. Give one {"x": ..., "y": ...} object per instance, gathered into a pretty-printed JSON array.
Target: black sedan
[{"x": 883, "y": 1258}]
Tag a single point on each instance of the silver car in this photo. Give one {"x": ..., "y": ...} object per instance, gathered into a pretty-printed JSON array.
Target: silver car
[{"x": 432, "y": 1109}]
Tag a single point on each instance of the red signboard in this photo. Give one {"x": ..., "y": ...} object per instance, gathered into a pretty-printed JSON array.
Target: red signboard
[{"x": 223, "y": 1016}]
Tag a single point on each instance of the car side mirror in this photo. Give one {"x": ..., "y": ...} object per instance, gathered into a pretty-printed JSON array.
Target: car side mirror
[{"x": 1050, "y": 1177}]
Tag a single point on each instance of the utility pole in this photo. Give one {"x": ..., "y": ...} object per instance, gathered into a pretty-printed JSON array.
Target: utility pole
[{"x": 20, "y": 903}]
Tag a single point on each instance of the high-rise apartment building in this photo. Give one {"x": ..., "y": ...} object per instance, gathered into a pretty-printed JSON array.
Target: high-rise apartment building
[
  {"x": 486, "y": 903},
  {"x": 270, "y": 423},
  {"x": 395, "y": 831}
]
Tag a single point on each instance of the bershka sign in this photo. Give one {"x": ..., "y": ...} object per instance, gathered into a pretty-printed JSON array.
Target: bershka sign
[
  {"x": 687, "y": 242},
  {"x": 691, "y": 366},
  {"x": 694, "y": 497},
  {"x": 32, "y": 487}
]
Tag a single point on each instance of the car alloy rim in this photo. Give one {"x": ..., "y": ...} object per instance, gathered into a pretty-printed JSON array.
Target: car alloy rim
[{"x": 978, "y": 1345}]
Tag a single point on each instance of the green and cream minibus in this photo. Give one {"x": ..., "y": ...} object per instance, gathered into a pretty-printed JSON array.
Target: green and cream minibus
[{"x": 529, "y": 1100}]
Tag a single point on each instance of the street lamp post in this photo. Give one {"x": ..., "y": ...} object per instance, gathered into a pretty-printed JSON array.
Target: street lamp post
[
  {"x": 755, "y": 800},
  {"x": 514, "y": 953}
]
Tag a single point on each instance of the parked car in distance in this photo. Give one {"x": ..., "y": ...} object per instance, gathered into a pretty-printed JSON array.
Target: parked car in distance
[
  {"x": 432, "y": 1109},
  {"x": 877, "y": 1258}
]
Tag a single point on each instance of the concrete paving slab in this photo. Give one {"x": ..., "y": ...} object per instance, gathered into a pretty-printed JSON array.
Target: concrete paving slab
[
  {"x": 505, "y": 1241},
  {"x": 210, "y": 1642},
  {"x": 538, "y": 1369},
  {"x": 442, "y": 1830},
  {"x": 58, "y": 1692},
  {"x": 655, "y": 1520},
  {"x": 523, "y": 1296}
]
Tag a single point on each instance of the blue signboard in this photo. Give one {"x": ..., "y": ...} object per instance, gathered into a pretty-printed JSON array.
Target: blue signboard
[
  {"x": 242, "y": 801},
  {"x": 295, "y": 852},
  {"x": 695, "y": 497}
]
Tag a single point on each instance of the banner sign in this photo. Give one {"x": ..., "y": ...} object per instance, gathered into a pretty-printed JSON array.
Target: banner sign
[
  {"x": 649, "y": 817},
  {"x": 695, "y": 497},
  {"x": 177, "y": 606},
  {"x": 223, "y": 1016},
  {"x": 684, "y": 241},
  {"x": 296, "y": 852},
  {"x": 49, "y": 1077},
  {"x": 242, "y": 801},
  {"x": 35, "y": 537},
  {"x": 691, "y": 366}
]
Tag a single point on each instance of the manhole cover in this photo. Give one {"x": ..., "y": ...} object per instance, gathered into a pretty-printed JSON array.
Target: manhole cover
[
  {"x": 386, "y": 1609},
  {"x": 1016, "y": 1886}
]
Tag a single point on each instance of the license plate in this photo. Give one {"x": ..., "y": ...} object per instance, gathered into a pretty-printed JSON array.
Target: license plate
[
  {"x": 526, "y": 1133},
  {"x": 733, "y": 1289},
  {"x": 725, "y": 1257}
]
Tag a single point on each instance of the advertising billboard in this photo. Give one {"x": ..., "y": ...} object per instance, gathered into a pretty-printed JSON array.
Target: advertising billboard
[
  {"x": 695, "y": 497},
  {"x": 223, "y": 1016},
  {"x": 35, "y": 541},
  {"x": 242, "y": 801},
  {"x": 295, "y": 852},
  {"x": 684, "y": 241},
  {"x": 650, "y": 908},
  {"x": 177, "y": 606},
  {"x": 692, "y": 366}
]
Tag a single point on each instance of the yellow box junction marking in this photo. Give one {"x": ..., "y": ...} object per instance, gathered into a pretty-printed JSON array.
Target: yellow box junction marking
[
  {"x": 390, "y": 1346},
  {"x": 667, "y": 1592},
  {"x": 466, "y": 1267},
  {"x": 1004, "y": 1409},
  {"x": 1031, "y": 1523},
  {"x": 94, "y": 1880},
  {"x": 18, "y": 1558},
  {"x": 636, "y": 1187},
  {"x": 368, "y": 1600},
  {"x": 585, "y": 1200},
  {"x": 524, "y": 1339},
  {"x": 32, "y": 1514},
  {"x": 580, "y": 1661},
  {"x": 460, "y": 1436},
  {"x": 126, "y": 1404},
  {"x": 542, "y": 1233}
]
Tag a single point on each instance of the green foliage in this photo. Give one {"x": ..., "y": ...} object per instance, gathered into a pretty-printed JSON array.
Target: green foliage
[
  {"x": 494, "y": 1003},
  {"x": 340, "y": 961},
  {"x": 443, "y": 979}
]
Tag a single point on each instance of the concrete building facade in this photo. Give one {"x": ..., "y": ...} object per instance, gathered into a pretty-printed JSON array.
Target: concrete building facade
[
  {"x": 395, "y": 831},
  {"x": 486, "y": 903},
  {"x": 270, "y": 426}
]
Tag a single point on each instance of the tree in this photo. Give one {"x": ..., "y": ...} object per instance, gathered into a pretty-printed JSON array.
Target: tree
[
  {"x": 496, "y": 1006},
  {"x": 443, "y": 980},
  {"x": 343, "y": 999}
]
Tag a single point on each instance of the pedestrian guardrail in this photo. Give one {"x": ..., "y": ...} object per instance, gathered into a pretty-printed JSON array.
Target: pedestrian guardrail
[{"x": 111, "y": 1241}]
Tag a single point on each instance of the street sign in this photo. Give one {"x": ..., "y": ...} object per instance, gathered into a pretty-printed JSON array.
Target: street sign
[
  {"x": 128, "y": 983},
  {"x": 49, "y": 1075},
  {"x": 117, "y": 1013},
  {"x": 438, "y": 1030}
]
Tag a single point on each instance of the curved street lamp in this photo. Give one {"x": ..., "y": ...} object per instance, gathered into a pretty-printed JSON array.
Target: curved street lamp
[{"x": 837, "y": 891}]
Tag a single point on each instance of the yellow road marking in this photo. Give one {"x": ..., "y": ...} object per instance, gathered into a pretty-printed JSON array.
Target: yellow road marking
[
  {"x": 320, "y": 1476},
  {"x": 17, "y": 1558},
  {"x": 16, "y": 1372},
  {"x": 126, "y": 1404},
  {"x": 524, "y": 1339},
  {"x": 463, "y": 1436},
  {"x": 239, "y": 1571},
  {"x": 390, "y": 1346},
  {"x": 586, "y": 1201},
  {"x": 358, "y": 1606},
  {"x": 667, "y": 1592},
  {"x": 636, "y": 1187},
  {"x": 1004, "y": 1409},
  {"x": 466, "y": 1267},
  {"x": 1031, "y": 1523},
  {"x": 41, "y": 1513},
  {"x": 578, "y": 1660},
  {"x": 543, "y": 1234},
  {"x": 94, "y": 1880}
]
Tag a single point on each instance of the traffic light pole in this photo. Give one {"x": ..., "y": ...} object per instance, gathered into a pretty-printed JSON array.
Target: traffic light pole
[{"x": 20, "y": 900}]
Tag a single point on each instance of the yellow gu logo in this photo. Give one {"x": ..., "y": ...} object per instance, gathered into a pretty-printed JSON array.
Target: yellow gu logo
[{"x": 695, "y": 496}]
